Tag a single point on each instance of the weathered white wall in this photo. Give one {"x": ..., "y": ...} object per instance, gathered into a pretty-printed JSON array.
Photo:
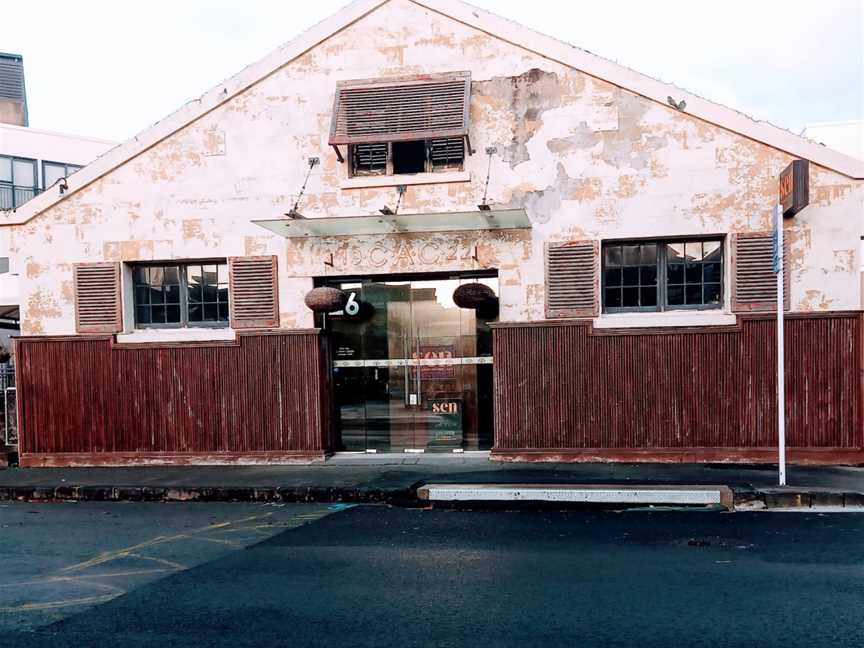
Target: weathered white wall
[{"x": 585, "y": 158}]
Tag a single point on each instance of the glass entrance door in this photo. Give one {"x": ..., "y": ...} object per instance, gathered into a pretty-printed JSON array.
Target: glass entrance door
[{"x": 411, "y": 370}]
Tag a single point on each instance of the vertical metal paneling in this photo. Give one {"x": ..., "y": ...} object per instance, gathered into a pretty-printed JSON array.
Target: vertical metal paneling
[
  {"x": 565, "y": 386},
  {"x": 264, "y": 394}
]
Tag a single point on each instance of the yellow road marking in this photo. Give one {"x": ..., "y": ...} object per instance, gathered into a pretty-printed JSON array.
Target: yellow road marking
[
  {"x": 90, "y": 580},
  {"x": 87, "y": 600}
]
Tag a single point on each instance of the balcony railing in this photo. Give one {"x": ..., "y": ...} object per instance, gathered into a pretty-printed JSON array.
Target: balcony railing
[{"x": 13, "y": 196}]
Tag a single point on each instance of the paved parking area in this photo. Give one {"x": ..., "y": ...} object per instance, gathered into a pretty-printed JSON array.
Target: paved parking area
[{"x": 62, "y": 559}]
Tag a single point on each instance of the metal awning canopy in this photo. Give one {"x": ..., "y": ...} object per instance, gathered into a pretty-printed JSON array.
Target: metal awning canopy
[{"x": 502, "y": 219}]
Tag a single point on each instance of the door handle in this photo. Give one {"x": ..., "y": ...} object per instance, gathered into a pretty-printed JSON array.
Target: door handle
[{"x": 418, "y": 381}]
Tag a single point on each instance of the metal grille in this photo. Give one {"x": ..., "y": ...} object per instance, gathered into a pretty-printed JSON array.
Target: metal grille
[
  {"x": 571, "y": 279},
  {"x": 409, "y": 108},
  {"x": 10, "y": 423},
  {"x": 12, "y": 78},
  {"x": 97, "y": 298},
  {"x": 254, "y": 300},
  {"x": 370, "y": 159},
  {"x": 755, "y": 281},
  {"x": 449, "y": 152}
]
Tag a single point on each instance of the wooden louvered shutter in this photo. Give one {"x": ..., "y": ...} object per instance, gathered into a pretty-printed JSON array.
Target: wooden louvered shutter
[
  {"x": 399, "y": 109},
  {"x": 754, "y": 284},
  {"x": 572, "y": 279},
  {"x": 254, "y": 292},
  {"x": 97, "y": 298}
]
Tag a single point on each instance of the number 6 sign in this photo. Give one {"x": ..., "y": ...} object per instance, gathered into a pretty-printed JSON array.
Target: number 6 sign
[{"x": 352, "y": 307}]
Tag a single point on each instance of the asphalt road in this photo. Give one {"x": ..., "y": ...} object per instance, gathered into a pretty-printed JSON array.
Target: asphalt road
[{"x": 378, "y": 576}]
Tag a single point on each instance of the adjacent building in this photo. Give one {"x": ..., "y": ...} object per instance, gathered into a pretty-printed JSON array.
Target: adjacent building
[
  {"x": 31, "y": 161},
  {"x": 420, "y": 227}
]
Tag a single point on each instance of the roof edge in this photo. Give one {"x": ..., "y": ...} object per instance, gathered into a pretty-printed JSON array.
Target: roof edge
[{"x": 596, "y": 66}]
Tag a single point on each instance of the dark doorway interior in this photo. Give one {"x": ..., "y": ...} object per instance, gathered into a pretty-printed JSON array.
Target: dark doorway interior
[
  {"x": 409, "y": 157},
  {"x": 411, "y": 371}
]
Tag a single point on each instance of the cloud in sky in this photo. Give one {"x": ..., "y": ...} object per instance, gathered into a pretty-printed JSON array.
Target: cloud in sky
[{"x": 109, "y": 69}]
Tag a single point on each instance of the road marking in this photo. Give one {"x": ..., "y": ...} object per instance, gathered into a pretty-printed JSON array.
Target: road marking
[{"x": 255, "y": 525}]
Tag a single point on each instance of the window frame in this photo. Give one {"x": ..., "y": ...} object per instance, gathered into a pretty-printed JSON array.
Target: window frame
[
  {"x": 663, "y": 305},
  {"x": 182, "y": 267},
  {"x": 388, "y": 170},
  {"x": 66, "y": 165},
  {"x": 13, "y": 185}
]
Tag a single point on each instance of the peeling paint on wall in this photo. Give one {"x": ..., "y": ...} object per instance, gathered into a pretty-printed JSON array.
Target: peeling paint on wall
[{"x": 586, "y": 159}]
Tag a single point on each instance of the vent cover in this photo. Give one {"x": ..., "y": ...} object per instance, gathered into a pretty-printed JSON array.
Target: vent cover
[
  {"x": 97, "y": 298},
  {"x": 254, "y": 292},
  {"x": 754, "y": 281},
  {"x": 571, "y": 279},
  {"x": 398, "y": 109},
  {"x": 12, "y": 78}
]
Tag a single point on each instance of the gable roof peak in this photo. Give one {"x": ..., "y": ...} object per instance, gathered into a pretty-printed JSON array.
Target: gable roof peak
[{"x": 482, "y": 20}]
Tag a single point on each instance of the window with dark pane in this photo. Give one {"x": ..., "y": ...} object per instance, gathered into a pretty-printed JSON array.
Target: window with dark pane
[
  {"x": 178, "y": 295},
  {"x": 157, "y": 295},
  {"x": 17, "y": 181},
  {"x": 662, "y": 275},
  {"x": 693, "y": 273},
  {"x": 630, "y": 276},
  {"x": 207, "y": 293}
]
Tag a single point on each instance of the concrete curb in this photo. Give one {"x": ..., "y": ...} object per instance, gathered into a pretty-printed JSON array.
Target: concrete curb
[
  {"x": 743, "y": 499},
  {"x": 358, "y": 495}
]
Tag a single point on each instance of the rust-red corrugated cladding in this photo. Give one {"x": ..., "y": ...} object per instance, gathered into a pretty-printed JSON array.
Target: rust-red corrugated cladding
[
  {"x": 263, "y": 395},
  {"x": 565, "y": 385}
]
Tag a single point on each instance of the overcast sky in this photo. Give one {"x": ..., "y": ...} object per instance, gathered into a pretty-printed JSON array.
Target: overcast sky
[{"x": 109, "y": 68}]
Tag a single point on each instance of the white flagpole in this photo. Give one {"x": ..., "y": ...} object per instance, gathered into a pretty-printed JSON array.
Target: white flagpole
[{"x": 781, "y": 378}]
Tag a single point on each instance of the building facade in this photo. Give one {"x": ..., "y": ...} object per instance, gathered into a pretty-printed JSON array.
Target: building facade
[{"x": 420, "y": 227}]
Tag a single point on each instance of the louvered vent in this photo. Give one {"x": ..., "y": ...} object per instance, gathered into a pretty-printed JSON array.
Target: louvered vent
[
  {"x": 370, "y": 158},
  {"x": 571, "y": 279},
  {"x": 449, "y": 152},
  {"x": 97, "y": 298},
  {"x": 254, "y": 293},
  {"x": 755, "y": 284},
  {"x": 406, "y": 108},
  {"x": 12, "y": 78}
]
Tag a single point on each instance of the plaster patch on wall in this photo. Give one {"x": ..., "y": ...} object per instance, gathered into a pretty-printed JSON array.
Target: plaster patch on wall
[
  {"x": 67, "y": 291},
  {"x": 800, "y": 241},
  {"x": 825, "y": 195},
  {"x": 41, "y": 304},
  {"x": 814, "y": 300},
  {"x": 255, "y": 245},
  {"x": 844, "y": 260},
  {"x": 33, "y": 270},
  {"x": 201, "y": 231},
  {"x": 135, "y": 250},
  {"x": 525, "y": 97},
  {"x": 214, "y": 141}
]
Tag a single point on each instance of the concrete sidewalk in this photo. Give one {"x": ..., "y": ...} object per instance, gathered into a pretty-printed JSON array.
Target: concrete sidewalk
[{"x": 395, "y": 479}]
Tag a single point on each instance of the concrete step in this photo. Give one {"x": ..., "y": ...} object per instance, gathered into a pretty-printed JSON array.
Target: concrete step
[{"x": 595, "y": 494}]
